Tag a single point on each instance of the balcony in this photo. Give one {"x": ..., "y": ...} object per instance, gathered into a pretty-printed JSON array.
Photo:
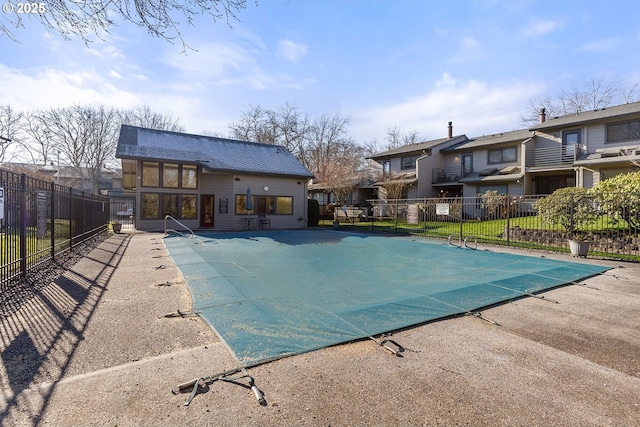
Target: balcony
[
  {"x": 554, "y": 156},
  {"x": 445, "y": 175}
]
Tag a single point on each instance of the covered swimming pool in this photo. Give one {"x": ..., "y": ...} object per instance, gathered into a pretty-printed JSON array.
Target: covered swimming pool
[{"x": 277, "y": 293}]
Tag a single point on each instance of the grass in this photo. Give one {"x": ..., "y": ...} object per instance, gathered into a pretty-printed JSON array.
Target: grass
[{"x": 490, "y": 231}]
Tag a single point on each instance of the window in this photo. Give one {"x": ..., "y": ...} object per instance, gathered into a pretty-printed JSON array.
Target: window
[
  {"x": 173, "y": 175},
  {"x": 129, "y": 173},
  {"x": 549, "y": 184},
  {"x": 265, "y": 205},
  {"x": 503, "y": 155},
  {"x": 170, "y": 205},
  {"x": 150, "y": 174},
  {"x": 157, "y": 206},
  {"x": 610, "y": 173},
  {"x": 241, "y": 203},
  {"x": 386, "y": 168},
  {"x": 189, "y": 176},
  {"x": 150, "y": 206},
  {"x": 188, "y": 207},
  {"x": 467, "y": 164},
  {"x": 170, "y": 175},
  {"x": 621, "y": 132},
  {"x": 284, "y": 205},
  {"x": 409, "y": 162},
  {"x": 499, "y": 188}
]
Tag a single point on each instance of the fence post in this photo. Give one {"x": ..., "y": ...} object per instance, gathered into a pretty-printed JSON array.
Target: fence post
[
  {"x": 396, "y": 215},
  {"x": 71, "y": 216},
  {"x": 23, "y": 225},
  {"x": 508, "y": 219},
  {"x": 424, "y": 215},
  {"x": 461, "y": 212},
  {"x": 571, "y": 212},
  {"x": 53, "y": 220}
]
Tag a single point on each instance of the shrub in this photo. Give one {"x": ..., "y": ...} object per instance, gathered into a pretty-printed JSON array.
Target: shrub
[
  {"x": 314, "y": 212},
  {"x": 619, "y": 197},
  {"x": 556, "y": 208},
  {"x": 493, "y": 203}
]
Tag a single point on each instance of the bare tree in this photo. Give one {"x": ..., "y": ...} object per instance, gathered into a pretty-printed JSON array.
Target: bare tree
[
  {"x": 591, "y": 95},
  {"x": 9, "y": 129},
  {"x": 86, "y": 137},
  {"x": 395, "y": 186},
  {"x": 144, "y": 117},
  {"x": 287, "y": 126},
  {"x": 39, "y": 144},
  {"x": 85, "y": 19},
  {"x": 322, "y": 144},
  {"x": 395, "y": 138}
]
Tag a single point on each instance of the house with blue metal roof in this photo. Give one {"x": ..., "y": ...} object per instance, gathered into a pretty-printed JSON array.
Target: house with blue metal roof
[{"x": 207, "y": 182}]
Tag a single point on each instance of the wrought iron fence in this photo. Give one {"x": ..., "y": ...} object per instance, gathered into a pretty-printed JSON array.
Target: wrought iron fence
[
  {"x": 611, "y": 232},
  {"x": 39, "y": 220}
]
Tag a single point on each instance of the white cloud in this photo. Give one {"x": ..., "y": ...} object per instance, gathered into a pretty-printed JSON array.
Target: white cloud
[
  {"x": 446, "y": 80},
  {"x": 212, "y": 60},
  {"x": 470, "y": 42},
  {"x": 228, "y": 64},
  {"x": 475, "y": 108},
  {"x": 53, "y": 88},
  {"x": 540, "y": 27},
  {"x": 601, "y": 45},
  {"x": 291, "y": 51},
  {"x": 115, "y": 74}
]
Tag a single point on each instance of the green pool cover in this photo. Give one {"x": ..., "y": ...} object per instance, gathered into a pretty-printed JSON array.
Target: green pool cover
[{"x": 277, "y": 293}]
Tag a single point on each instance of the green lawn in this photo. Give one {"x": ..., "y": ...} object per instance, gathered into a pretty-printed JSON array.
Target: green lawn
[{"x": 488, "y": 231}]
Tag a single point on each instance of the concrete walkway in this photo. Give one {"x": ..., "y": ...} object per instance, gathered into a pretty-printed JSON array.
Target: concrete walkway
[{"x": 105, "y": 343}]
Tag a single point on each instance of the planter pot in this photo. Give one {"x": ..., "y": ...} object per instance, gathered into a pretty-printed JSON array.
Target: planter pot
[
  {"x": 336, "y": 225},
  {"x": 116, "y": 227},
  {"x": 578, "y": 248}
]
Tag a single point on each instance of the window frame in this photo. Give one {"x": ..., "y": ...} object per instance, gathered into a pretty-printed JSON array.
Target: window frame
[
  {"x": 147, "y": 168},
  {"x": 174, "y": 206},
  {"x": 464, "y": 172},
  {"x": 161, "y": 168},
  {"x": 410, "y": 162},
  {"x": 502, "y": 155},
  {"x": 129, "y": 175},
  {"x": 240, "y": 203},
  {"x": 629, "y": 136}
]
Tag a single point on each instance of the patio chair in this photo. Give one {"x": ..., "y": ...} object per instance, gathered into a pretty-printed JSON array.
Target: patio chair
[{"x": 264, "y": 222}]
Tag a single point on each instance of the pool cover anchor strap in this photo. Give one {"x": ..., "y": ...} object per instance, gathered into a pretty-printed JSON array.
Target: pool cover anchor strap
[
  {"x": 396, "y": 352},
  {"x": 222, "y": 376},
  {"x": 481, "y": 317},
  {"x": 251, "y": 385}
]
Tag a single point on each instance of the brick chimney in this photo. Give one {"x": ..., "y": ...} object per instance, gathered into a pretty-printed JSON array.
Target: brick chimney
[
  {"x": 450, "y": 134},
  {"x": 543, "y": 116}
]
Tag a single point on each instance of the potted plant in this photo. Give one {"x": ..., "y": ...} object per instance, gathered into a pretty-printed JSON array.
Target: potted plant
[
  {"x": 116, "y": 226},
  {"x": 573, "y": 209}
]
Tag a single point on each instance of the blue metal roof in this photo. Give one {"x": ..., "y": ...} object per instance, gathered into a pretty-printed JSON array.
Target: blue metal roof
[{"x": 213, "y": 153}]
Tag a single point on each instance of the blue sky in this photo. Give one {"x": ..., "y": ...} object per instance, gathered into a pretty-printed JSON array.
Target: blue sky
[{"x": 414, "y": 65}]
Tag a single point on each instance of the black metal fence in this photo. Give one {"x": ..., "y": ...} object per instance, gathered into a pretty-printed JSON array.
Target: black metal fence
[
  {"x": 40, "y": 220},
  {"x": 611, "y": 230}
]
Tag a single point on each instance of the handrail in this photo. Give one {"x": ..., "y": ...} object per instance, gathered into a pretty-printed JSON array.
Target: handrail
[
  {"x": 459, "y": 239},
  {"x": 470, "y": 237},
  {"x": 179, "y": 223}
]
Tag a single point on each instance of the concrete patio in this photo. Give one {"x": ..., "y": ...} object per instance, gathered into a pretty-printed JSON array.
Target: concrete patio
[{"x": 105, "y": 343}]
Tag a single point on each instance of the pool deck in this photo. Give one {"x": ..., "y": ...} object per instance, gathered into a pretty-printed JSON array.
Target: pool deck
[{"x": 105, "y": 344}]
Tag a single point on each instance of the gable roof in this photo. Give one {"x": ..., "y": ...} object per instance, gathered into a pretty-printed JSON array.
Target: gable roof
[
  {"x": 491, "y": 140},
  {"x": 212, "y": 153},
  {"x": 618, "y": 111},
  {"x": 417, "y": 148}
]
